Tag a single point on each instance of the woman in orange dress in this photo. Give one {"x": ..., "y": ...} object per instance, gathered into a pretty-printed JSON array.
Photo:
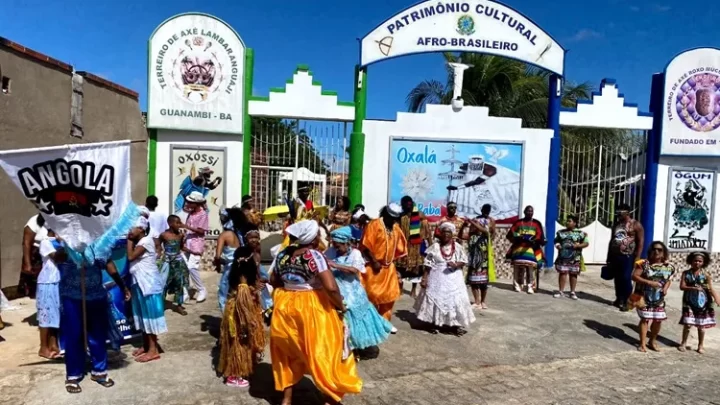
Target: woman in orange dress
[
  {"x": 383, "y": 242},
  {"x": 307, "y": 334}
]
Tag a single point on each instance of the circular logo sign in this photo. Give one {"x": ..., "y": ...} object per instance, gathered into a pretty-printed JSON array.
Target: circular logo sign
[
  {"x": 196, "y": 71},
  {"x": 698, "y": 102},
  {"x": 465, "y": 25}
]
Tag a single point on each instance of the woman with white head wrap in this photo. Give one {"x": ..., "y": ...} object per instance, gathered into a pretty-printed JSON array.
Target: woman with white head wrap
[
  {"x": 148, "y": 302},
  {"x": 306, "y": 334},
  {"x": 443, "y": 300}
]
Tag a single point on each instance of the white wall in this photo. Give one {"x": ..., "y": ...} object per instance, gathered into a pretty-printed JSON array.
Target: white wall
[
  {"x": 233, "y": 179},
  {"x": 661, "y": 200},
  {"x": 470, "y": 123}
]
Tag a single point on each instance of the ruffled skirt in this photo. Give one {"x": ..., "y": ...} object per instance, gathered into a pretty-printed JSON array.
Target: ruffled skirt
[
  {"x": 307, "y": 337},
  {"x": 47, "y": 301},
  {"x": 148, "y": 312},
  {"x": 445, "y": 302},
  {"x": 367, "y": 327}
]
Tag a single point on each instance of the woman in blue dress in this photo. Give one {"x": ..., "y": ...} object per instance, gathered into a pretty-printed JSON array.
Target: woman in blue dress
[
  {"x": 230, "y": 239},
  {"x": 367, "y": 328}
]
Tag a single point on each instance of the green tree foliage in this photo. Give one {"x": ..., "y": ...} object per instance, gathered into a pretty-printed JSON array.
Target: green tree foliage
[{"x": 275, "y": 141}]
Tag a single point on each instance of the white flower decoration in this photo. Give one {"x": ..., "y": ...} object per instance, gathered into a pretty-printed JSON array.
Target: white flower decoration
[{"x": 417, "y": 183}]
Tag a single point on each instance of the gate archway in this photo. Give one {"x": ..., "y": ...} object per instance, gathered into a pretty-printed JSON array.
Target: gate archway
[{"x": 480, "y": 26}]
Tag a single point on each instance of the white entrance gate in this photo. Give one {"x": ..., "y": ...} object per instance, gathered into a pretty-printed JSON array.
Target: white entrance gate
[
  {"x": 595, "y": 177},
  {"x": 300, "y": 137}
]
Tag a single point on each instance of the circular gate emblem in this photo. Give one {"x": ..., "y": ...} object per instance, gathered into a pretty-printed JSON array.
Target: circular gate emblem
[
  {"x": 698, "y": 102},
  {"x": 465, "y": 25},
  {"x": 196, "y": 71}
]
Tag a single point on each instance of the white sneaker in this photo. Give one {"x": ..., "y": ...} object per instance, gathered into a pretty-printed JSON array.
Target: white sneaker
[
  {"x": 393, "y": 330},
  {"x": 202, "y": 296},
  {"x": 186, "y": 295},
  {"x": 573, "y": 296},
  {"x": 559, "y": 294},
  {"x": 516, "y": 287},
  {"x": 530, "y": 290}
]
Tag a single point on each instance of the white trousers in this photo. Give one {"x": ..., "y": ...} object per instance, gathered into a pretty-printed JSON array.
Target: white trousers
[{"x": 193, "y": 264}]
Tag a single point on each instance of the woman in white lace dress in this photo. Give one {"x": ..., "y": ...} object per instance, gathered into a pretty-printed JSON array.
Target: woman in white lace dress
[{"x": 444, "y": 300}]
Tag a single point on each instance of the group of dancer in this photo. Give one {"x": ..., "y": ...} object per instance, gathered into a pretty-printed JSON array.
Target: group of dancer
[{"x": 329, "y": 302}]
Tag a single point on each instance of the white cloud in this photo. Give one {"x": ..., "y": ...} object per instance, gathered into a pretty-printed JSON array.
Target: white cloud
[{"x": 585, "y": 34}]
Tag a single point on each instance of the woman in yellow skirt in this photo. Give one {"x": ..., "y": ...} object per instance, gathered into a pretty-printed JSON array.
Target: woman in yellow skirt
[{"x": 307, "y": 334}]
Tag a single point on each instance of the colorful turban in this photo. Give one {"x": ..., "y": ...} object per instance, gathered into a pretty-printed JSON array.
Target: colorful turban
[{"x": 342, "y": 235}]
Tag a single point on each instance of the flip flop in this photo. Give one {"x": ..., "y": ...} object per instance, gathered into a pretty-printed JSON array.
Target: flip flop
[
  {"x": 138, "y": 352},
  {"x": 51, "y": 356},
  {"x": 72, "y": 387},
  {"x": 145, "y": 359},
  {"x": 104, "y": 381}
]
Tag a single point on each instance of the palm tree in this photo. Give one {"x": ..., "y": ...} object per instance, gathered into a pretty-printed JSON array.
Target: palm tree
[
  {"x": 513, "y": 89},
  {"x": 510, "y": 89}
]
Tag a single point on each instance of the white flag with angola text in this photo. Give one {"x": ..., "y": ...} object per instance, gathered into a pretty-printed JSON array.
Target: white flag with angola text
[{"x": 81, "y": 190}]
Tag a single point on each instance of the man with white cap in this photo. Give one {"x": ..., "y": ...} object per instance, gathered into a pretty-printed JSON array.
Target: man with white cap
[
  {"x": 383, "y": 242},
  {"x": 196, "y": 225}
]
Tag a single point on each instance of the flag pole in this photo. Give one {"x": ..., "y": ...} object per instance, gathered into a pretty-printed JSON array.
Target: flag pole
[{"x": 84, "y": 308}]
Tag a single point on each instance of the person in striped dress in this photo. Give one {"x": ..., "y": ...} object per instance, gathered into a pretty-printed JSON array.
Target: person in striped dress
[{"x": 525, "y": 253}]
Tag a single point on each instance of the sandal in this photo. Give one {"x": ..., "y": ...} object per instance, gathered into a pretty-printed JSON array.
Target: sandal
[
  {"x": 103, "y": 380},
  {"x": 73, "y": 386},
  {"x": 146, "y": 358}
]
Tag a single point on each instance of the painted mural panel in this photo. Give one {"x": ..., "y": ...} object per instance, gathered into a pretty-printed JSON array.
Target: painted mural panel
[
  {"x": 690, "y": 208},
  {"x": 199, "y": 169},
  {"x": 434, "y": 172}
]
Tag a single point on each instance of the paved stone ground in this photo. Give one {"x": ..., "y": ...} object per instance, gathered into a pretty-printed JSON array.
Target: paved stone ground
[{"x": 524, "y": 350}]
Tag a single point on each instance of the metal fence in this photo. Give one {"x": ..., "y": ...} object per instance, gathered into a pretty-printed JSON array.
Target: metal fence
[
  {"x": 594, "y": 179},
  {"x": 289, "y": 154}
]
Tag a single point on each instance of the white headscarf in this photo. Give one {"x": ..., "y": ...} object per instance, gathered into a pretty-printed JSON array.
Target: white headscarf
[
  {"x": 275, "y": 250},
  {"x": 142, "y": 222},
  {"x": 305, "y": 231},
  {"x": 447, "y": 226},
  {"x": 358, "y": 214},
  {"x": 144, "y": 211},
  {"x": 394, "y": 210}
]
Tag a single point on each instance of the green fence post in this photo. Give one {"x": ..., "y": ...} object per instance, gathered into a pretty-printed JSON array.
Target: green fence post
[{"x": 357, "y": 137}]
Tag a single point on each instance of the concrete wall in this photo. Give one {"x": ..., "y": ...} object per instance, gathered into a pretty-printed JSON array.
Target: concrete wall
[
  {"x": 441, "y": 122},
  {"x": 37, "y": 112}
]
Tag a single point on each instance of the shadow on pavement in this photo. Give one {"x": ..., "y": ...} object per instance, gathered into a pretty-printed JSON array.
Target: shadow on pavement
[
  {"x": 31, "y": 320},
  {"x": 593, "y": 297},
  {"x": 211, "y": 324},
  {"x": 511, "y": 288},
  {"x": 611, "y": 332},
  {"x": 663, "y": 340},
  {"x": 262, "y": 386},
  {"x": 410, "y": 318}
]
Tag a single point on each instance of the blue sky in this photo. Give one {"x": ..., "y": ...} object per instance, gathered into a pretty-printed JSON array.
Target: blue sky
[{"x": 627, "y": 40}]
